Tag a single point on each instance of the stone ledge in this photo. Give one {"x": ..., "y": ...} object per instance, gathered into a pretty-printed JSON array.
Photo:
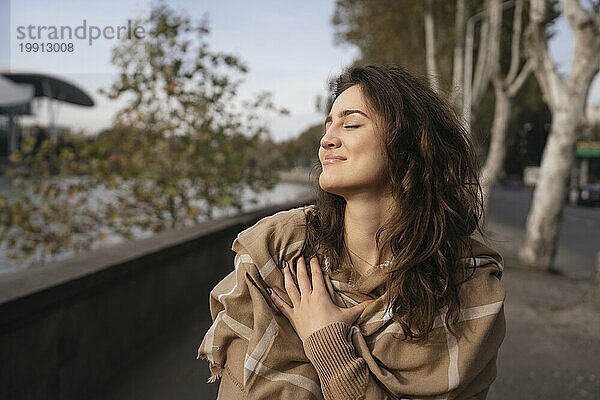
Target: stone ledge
[{"x": 21, "y": 283}]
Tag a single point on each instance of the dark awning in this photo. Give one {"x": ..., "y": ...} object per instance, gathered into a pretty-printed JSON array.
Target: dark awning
[{"x": 51, "y": 87}]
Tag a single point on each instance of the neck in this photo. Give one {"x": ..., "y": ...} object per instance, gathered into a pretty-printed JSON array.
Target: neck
[{"x": 363, "y": 216}]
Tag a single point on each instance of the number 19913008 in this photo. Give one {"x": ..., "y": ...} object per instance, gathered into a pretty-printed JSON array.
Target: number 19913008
[{"x": 46, "y": 47}]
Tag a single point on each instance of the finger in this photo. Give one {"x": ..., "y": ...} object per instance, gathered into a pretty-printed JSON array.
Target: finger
[
  {"x": 290, "y": 286},
  {"x": 302, "y": 275},
  {"x": 356, "y": 310},
  {"x": 317, "y": 276},
  {"x": 279, "y": 303}
]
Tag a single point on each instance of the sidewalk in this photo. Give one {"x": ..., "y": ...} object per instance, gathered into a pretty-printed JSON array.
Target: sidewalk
[{"x": 552, "y": 344}]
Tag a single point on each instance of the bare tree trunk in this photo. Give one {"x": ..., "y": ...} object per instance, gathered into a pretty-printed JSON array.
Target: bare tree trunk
[
  {"x": 459, "y": 50},
  {"x": 566, "y": 97},
  {"x": 497, "y": 151},
  {"x": 482, "y": 75},
  {"x": 545, "y": 216},
  {"x": 476, "y": 84},
  {"x": 504, "y": 94},
  {"x": 504, "y": 90},
  {"x": 431, "y": 61}
]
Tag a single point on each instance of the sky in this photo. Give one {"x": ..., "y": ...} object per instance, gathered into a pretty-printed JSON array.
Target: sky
[{"x": 287, "y": 45}]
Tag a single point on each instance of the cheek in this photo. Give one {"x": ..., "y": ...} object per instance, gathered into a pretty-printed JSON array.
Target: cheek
[
  {"x": 380, "y": 153},
  {"x": 375, "y": 152},
  {"x": 376, "y": 161}
]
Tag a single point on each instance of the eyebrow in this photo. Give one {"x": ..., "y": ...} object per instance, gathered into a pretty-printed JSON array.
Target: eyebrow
[{"x": 345, "y": 113}]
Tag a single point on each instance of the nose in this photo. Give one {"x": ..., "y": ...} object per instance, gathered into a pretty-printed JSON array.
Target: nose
[{"x": 330, "y": 140}]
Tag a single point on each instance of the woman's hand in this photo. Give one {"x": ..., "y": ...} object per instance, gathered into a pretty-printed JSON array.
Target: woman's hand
[{"x": 312, "y": 308}]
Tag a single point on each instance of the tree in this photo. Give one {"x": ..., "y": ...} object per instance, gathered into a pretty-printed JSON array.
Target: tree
[
  {"x": 477, "y": 84},
  {"x": 566, "y": 97},
  {"x": 424, "y": 38},
  {"x": 459, "y": 56},
  {"x": 430, "y": 53},
  {"x": 388, "y": 31},
  {"x": 477, "y": 27},
  {"x": 303, "y": 151},
  {"x": 182, "y": 147},
  {"x": 505, "y": 90}
]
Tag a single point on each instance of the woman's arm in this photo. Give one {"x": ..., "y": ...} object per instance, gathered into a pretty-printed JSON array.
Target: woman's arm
[
  {"x": 255, "y": 351},
  {"x": 342, "y": 373},
  {"x": 322, "y": 326}
]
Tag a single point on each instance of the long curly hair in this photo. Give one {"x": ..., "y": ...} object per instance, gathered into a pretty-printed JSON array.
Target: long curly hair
[{"x": 432, "y": 169}]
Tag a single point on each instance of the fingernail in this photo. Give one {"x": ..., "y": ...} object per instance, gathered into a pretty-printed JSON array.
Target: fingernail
[
  {"x": 269, "y": 290},
  {"x": 285, "y": 264}
]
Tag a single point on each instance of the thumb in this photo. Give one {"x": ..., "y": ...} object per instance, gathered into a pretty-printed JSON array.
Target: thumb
[{"x": 356, "y": 310}]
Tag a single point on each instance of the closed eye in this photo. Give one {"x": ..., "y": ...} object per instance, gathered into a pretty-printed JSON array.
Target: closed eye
[{"x": 352, "y": 126}]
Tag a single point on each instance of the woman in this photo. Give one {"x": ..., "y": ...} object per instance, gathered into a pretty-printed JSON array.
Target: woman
[{"x": 400, "y": 301}]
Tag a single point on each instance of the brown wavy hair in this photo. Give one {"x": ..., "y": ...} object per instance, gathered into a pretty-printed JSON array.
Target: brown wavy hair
[{"x": 433, "y": 174}]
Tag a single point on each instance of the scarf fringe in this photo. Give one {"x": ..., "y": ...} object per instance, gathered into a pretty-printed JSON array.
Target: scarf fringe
[{"x": 216, "y": 370}]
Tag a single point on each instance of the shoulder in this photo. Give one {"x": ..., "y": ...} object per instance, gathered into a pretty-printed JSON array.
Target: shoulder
[
  {"x": 482, "y": 255},
  {"x": 485, "y": 269},
  {"x": 279, "y": 233},
  {"x": 280, "y": 223}
]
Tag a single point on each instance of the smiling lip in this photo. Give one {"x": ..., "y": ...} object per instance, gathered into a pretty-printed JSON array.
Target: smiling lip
[{"x": 330, "y": 159}]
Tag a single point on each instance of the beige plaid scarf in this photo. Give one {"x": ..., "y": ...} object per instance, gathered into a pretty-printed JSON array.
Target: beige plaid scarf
[{"x": 259, "y": 356}]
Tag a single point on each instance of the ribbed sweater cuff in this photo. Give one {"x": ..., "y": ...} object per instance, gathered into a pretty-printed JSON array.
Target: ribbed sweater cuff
[{"x": 343, "y": 375}]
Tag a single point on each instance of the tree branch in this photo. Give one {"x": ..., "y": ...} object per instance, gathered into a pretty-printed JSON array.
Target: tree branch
[
  {"x": 536, "y": 45},
  {"x": 494, "y": 38},
  {"x": 459, "y": 43},
  {"x": 431, "y": 62},
  {"x": 516, "y": 40},
  {"x": 514, "y": 87},
  {"x": 481, "y": 63},
  {"x": 575, "y": 14},
  {"x": 585, "y": 26}
]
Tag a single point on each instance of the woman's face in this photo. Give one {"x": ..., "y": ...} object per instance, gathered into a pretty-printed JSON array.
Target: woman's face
[{"x": 351, "y": 151}]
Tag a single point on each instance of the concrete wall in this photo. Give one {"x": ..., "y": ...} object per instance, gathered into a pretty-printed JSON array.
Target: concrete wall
[{"x": 69, "y": 327}]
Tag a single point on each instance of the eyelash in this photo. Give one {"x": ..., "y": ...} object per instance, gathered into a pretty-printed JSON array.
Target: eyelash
[{"x": 346, "y": 127}]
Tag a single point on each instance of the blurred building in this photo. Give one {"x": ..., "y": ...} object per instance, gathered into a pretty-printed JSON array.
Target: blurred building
[
  {"x": 15, "y": 100},
  {"x": 587, "y": 165},
  {"x": 17, "y": 90}
]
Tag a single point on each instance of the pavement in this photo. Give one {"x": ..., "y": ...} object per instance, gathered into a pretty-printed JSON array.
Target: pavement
[
  {"x": 552, "y": 345},
  {"x": 551, "y": 349}
]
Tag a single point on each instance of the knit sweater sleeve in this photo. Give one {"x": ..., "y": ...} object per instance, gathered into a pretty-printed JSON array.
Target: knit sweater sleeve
[{"x": 342, "y": 373}]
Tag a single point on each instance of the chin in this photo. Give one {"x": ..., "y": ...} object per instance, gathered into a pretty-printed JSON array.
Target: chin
[{"x": 331, "y": 184}]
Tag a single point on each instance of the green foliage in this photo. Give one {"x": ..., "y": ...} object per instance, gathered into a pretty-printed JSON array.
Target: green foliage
[
  {"x": 303, "y": 150},
  {"x": 389, "y": 31},
  {"x": 182, "y": 147}
]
